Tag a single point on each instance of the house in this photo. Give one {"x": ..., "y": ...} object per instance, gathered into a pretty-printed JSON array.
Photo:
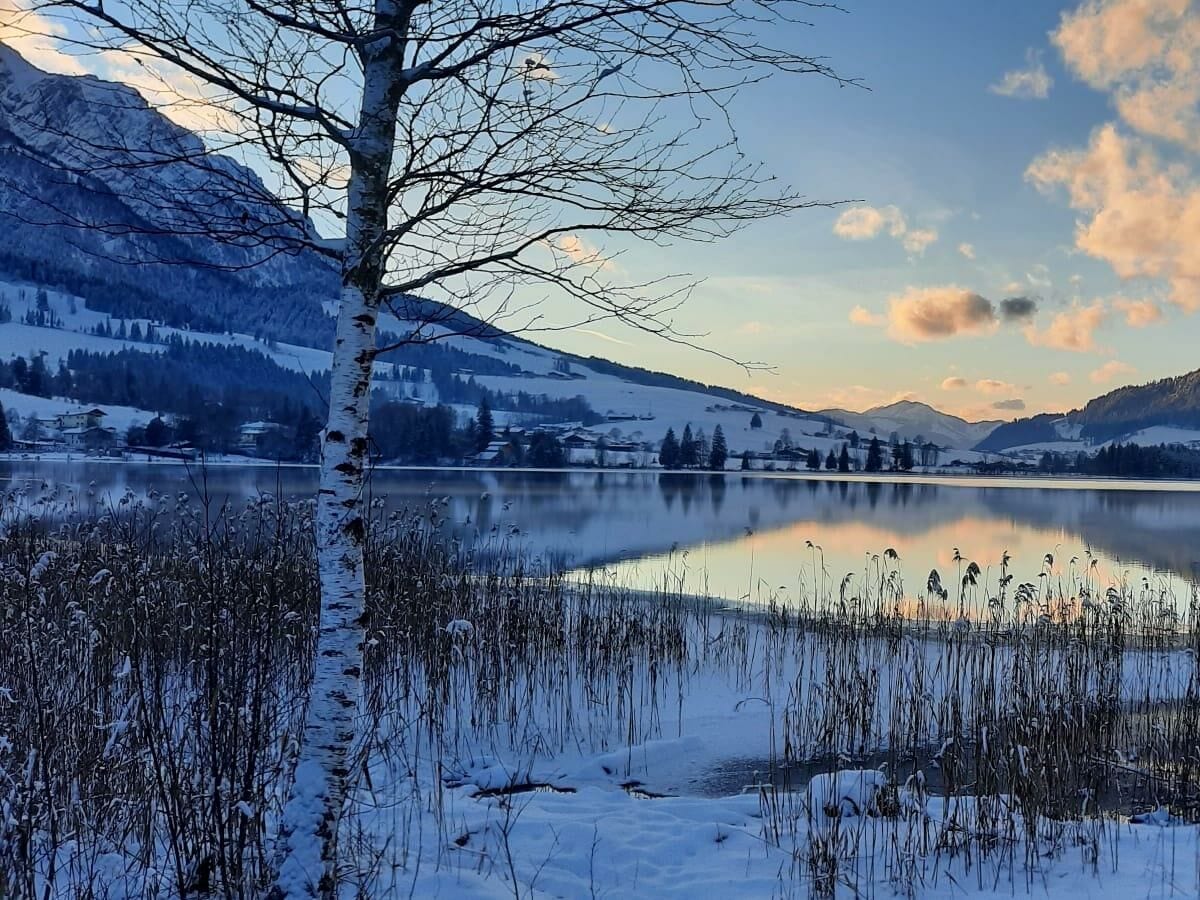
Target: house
[
  {"x": 578, "y": 439},
  {"x": 80, "y": 418},
  {"x": 497, "y": 453},
  {"x": 93, "y": 437},
  {"x": 254, "y": 436}
]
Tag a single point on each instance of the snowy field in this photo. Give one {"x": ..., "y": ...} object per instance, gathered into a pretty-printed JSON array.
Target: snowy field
[{"x": 529, "y": 736}]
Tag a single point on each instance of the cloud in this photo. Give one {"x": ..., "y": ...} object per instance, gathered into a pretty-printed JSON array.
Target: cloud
[
  {"x": 967, "y": 250},
  {"x": 916, "y": 240},
  {"x": 1140, "y": 215},
  {"x": 1016, "y": 404},
  {"x": 1059, "y": 378},
  {"x": 994, "y": 386},
  {"x": 536, "y": 67},
  {"x": 35, "y": 37},
  {"x": 1138, "y": 313},
  {"x": 751, "y": 327},
  {"x": 602, "y": 336},
  {"x": 1114, "y": 368},
  {"x": 954, "y": 383},
  {"x": 861, "y": 223},
  {"x": 860, "y": 315},
  {"x": 1018, "y": 309},
  {"x": 1146, "y": 54},
  {"x": 929, "y": 314},
  {"x": 1072, "y": 329},
  {"x": 1031, "y": 83},
  {"x": 581, "y": 253}
]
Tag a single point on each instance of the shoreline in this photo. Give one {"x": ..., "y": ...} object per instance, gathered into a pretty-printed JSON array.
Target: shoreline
[{"x": 952, "y": 479}]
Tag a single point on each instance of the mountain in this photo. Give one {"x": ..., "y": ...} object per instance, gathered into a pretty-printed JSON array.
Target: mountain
[
  {"x": 1163, "y": 411},
  {"x": 911, "y": 419}
]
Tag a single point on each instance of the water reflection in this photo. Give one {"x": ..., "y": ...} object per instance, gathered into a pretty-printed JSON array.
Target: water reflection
[{"x": 739, "y": 530}]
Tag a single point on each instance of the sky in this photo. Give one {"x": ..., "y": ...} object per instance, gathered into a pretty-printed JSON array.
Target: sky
[{"x": 1018, "y": 218}]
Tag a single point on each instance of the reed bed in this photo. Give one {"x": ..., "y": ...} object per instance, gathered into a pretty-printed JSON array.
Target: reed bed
[{"x": 157, "y": 653}]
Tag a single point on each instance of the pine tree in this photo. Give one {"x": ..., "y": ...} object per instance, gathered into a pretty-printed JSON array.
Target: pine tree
[
  {"x": 756, "y": 421},
  {"x": 844, "y": 459},
  {"x": 668, "y": 453},
  {"x": 831, "y": 461},
  {"x": 906, "y": 456},
  {"x": 687, "y": 449},
  {"x": 484, "y": 427},
  {"x": 157, "y": 432},
  {"x": 5, "y": 433},
  {"x": 874, "y": 456},
  {"x": 814, "y": 460},
  {"x": 745, "y": 460},
  {"x": 719, "y": 453}
]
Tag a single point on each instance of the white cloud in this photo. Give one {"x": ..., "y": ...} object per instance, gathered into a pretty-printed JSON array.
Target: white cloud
[
  {"x": 967, "y": 250},
  {"x": 1030, "y": 83},
  {"x": 917, "y": 239}
]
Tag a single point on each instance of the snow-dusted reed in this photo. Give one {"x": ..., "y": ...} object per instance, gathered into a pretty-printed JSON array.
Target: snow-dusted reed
[{"x": 525, "y": 733}]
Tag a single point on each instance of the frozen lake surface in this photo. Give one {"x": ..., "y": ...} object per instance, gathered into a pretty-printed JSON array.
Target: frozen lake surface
[{"x": 734, "y": 536}]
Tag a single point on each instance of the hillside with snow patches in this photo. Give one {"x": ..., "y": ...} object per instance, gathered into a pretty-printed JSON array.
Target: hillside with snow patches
[{"x": 635, "y": 411}]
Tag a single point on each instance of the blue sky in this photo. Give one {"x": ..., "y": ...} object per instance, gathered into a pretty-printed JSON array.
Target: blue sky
[
  {"x": 932, "y": 139},
  {"x": 1038, "y": 153}
]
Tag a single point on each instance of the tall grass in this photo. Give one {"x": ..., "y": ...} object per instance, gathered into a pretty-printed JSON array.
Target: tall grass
[{"x": 156, "y": 654}]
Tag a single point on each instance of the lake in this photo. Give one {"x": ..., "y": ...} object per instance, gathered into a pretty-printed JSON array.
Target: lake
[{"x": 742, "y": 537}]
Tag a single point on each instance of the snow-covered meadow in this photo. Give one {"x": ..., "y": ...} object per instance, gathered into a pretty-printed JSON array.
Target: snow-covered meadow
[{"x": 529, "y": 735}]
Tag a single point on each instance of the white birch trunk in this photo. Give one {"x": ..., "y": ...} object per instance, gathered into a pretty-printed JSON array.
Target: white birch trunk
[{"x": 325, "y": 770}]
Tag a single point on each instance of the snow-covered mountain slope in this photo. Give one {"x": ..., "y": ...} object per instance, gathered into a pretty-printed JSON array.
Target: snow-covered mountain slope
[
  {"x": 911, "y": 420},
  {"x": 1161, "y": 412},
  {"x": 128, "y": 169}
]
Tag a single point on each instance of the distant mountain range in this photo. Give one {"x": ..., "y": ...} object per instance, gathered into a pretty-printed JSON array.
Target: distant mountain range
[{"x": 911, "y": 419}]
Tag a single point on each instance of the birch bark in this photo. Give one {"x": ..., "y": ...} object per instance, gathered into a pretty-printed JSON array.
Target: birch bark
[{"x": 325, "y": 773}]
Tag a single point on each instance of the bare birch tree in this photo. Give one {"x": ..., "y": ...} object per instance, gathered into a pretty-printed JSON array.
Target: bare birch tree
[{"x": 466, "y": 150}]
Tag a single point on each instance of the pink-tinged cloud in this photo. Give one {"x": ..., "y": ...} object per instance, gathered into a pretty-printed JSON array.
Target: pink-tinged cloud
[
  {"x": 994, "y": 386},
  {"x": 1138, "y": 313},
  {"x": 1112, "y": 369},
  {"x": 1140, "y": 215},
  {"x": 1059, "y": 378},
  {"x": 936, "y": 313},
  {"x": 1145, "y": 54},
  {"x": 860, "y": 315},
  {"x": 1072, "y": 329},
  {"x": 954, "y": 383},
  {"x": 967, "y": 250},
  {"x": 861, "y": 223}
]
